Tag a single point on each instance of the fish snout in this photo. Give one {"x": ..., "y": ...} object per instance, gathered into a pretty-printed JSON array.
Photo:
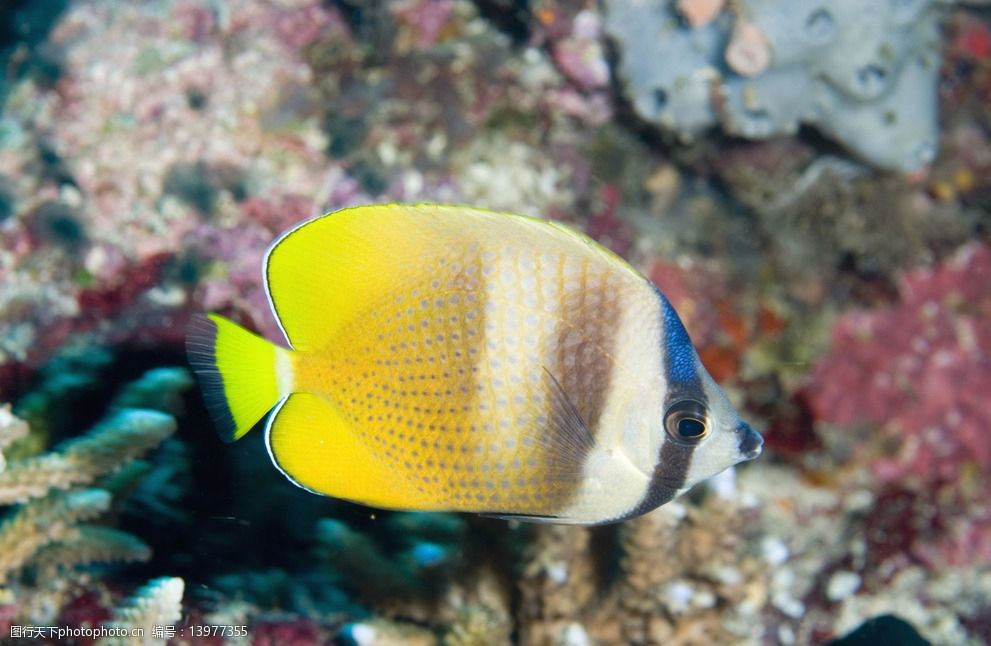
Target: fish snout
[{"x": 750, "y": 442}]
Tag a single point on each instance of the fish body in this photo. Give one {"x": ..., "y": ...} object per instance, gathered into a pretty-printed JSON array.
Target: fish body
[{"x": 451, "y": 358}]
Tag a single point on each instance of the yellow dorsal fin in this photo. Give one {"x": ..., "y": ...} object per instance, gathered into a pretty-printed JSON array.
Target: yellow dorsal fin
[
  {"x": 321, "y": 274},
  {"x": 324, "y": 273}
]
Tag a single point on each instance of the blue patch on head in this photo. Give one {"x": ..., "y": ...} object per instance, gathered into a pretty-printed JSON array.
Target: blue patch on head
[{"x": 678, "y": 349}]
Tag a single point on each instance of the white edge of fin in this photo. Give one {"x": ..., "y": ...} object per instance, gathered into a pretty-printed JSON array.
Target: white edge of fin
[
  {"x": 268, "y": 444},
  {"x": 268, "y": 291}
]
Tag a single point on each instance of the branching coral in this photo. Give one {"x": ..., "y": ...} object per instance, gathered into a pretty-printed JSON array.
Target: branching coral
[
  {"x": 11, "y": 430},
  {"x": 484, "y": 617},
  {"x": 159, "y": 389},
  {"x": 92, "y": 544},
  {"x": 417, "y": 560},
  {"x": 125, "y": 435},
  {"x": 689, "y": 572},
  {"x": 43, "y": 521},
  {"x": 416, "y": 573},
  {"x": 45, "y": 529},
  {"x": 382, "y": 632},
  {"x": 558, "y": 578},
  {"x": 66, "y": 382},
  {"x": 474, "y": 611},
  {"x": 683, "y": 578},
  {"x": 159, "y": 603}
]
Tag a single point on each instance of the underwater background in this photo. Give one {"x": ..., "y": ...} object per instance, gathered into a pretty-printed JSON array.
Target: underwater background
[{"x": 808, "y": 182}]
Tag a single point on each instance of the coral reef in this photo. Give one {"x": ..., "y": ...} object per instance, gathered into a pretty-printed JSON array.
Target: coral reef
[
  {"x": 123, "y": 265},
  {"x": 682, "y": 579},
  {"x": 926, "y": 380},
  {"x": 155, "y": 606},
  {"x": 150, "y": 152},
  {"x": 41, "y": 522},
  {"x": 124, "y": 436},
  {"x": 11, "y": 429},
  {"x": 921, "y": 392},
  {"x": 24, "y": 50},
  {"x": 415, "y": 568},
  {"x": 864, "y": 74},
  {"x": 57, "y": 493},
  {"x": 301, "y": 121},
  {"x": 92, "y": 544},
  {"x": 418, "y": 566}
]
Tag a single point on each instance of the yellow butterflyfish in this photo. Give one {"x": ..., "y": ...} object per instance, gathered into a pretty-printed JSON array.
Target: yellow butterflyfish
[{"x": 459, "y": 359}]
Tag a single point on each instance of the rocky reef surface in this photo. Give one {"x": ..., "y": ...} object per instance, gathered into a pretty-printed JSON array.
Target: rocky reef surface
[{"x": 150, "y": 151}]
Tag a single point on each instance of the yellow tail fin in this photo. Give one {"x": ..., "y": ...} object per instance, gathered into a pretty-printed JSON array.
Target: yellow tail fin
[{"x": 242, "y": 375}]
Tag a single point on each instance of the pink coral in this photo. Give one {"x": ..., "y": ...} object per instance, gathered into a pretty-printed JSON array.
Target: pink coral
[
  {"x": 195, "y": 86},
  {"x": 86, "y": 610},
  {"x": 8, "y": 614},
  {"x": 748, "y": 52},
  {"x": 239, "y": 252},
  {"x": 300, "y": 26},
  {"x": 699, "y": 13},
  {"x": 605, "y": 224},
  {"x": 428, "y": 20},
  {"x": 289, "y": 632},
  {"x": 580, "y": 56},
  {"x": 921, "y": 369},
  {"x": 973, "y": 40},
  {"x": 278, "y": 212}
]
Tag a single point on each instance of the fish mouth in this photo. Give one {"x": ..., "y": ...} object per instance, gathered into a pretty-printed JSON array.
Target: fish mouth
[{"x": 750, "y": 442}]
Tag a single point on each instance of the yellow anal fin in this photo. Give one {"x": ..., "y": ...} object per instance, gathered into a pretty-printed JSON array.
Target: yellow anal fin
[{"x": 317, "y": 449}]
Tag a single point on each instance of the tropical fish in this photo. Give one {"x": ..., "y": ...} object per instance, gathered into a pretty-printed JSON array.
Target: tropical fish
[{"x": 453, "y": 358}]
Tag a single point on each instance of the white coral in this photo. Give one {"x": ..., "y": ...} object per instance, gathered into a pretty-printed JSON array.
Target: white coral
[
  {"x": 157, "y": 604},
  {"x": 11, "y": 429}
]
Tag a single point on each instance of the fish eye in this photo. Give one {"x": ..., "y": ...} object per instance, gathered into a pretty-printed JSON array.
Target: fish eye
[{"x": 686, "y": 421}]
